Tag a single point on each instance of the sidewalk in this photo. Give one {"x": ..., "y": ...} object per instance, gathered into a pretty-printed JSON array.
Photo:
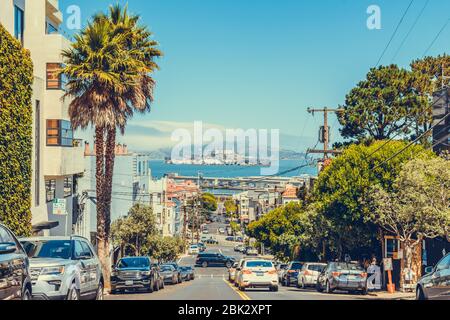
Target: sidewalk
[{"x": 383, "y": 295}]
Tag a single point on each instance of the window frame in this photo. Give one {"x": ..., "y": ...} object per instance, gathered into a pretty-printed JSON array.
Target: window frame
[
  {"x": 19, "y": 13},
  {"x": 61, "y": 79},
  {"x": 48, "y": 190},
  {"x": 64, "y": 135},
  {"x": 66, "y": 179}
]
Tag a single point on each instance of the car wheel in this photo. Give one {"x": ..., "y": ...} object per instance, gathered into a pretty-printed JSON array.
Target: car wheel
[
  {"x": 420, "y": 294},
  {"x": 274, "y": 289},
  {"x": 204, "y": 264},
  {"x": 73, "y": 293},
  {"x": 288, "y": 282},
  {"x": 319, "y": 287},
  {"x": 241, "y": 288},
  {"x": 99, "y": 294},
  {"x": 26, "y": 295}
]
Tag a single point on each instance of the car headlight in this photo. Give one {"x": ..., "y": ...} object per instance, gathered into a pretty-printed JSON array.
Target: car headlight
[
  {"x": 53, "y": 270},
  {"x": 146, "y": 273}
]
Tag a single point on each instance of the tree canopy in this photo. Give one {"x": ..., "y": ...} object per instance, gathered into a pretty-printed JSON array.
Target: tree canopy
[{"x": 383, "y": 105}]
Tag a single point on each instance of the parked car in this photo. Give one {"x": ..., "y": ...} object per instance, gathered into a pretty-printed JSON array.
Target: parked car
[
  {"x": 258, "y": 274},
  {"x": 205, "y": 231},
  {"x": 201, "y": 246},
  {"x": 435, "y": 285},
  {"x": 193, "y": 249},
  {"x": 251, "y": 251},
  {"x": 214, "y": 260},
  {"x": 15, "y": 280},
  {"x": 347, "y": 276},
  {"x": 134, "y": 273},
  {"x": 204, "y": 238},
  {"x": 281, "y": 269},
  {"x": 309, "y": 274},
  {"x": 291, "y": 274},
  {"x": 177, "y": 269},
  {"x": 187, "y": 273},
  {"x": 221, "y": 231},
  {"x": 63, "y": 268},
  {"x": 239, "y": 248},
  {"x": 232, "y": 272},
  {"x": 212, "y": 241},
  {"x": 169, "y": 274}
]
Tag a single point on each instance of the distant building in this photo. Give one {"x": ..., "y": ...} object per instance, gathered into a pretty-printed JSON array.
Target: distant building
[
  {"x": 132, "y": 176},
  {"x": 441, "y": 133},
  {"x": 289, "y": 195}
]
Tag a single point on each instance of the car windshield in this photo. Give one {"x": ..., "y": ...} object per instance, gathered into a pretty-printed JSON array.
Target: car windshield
[
  {"x": 166, "y": 268},
  {"x": 296, "y": 266},
  {"x": 259, "y": 264},
  {"x": 348, "y": 266},
  {"x": 54, "y": 249},
  {"x": 133, "y": 263}
]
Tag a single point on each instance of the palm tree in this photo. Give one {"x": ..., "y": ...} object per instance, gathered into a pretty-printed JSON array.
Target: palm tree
[{"x": 108, "y": 69}]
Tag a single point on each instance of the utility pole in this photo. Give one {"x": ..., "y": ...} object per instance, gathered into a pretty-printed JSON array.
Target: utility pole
[{"x": 324, "y": 133}]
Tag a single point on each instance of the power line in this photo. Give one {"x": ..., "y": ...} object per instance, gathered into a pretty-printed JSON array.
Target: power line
[
  {"x": 395, "y": 32},
  {"x": 411, "y": 143},
  {"x": 437, "y": 37},
  {"x": 410, "y": 30}
]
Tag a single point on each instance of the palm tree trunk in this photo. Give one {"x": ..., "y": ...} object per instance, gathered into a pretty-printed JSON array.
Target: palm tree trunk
[
  {"x": 107, "y": 191},
  {"x": 102, "y": 234}
]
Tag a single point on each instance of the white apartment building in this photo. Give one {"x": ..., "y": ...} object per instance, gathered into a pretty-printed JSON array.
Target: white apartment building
[
  {"x": 164, "y": 210},
  {"x": 132, "y": 176},
  {"x": 57, "y": 156}
]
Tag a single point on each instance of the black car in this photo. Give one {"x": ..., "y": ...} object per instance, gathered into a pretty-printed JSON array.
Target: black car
[
  {"x": 290, "y": 276},
  {"x": 435, "y": 285},
  {"x": 177, "y": 270},
  {"x": 135, "y": 273},
  {"x": 15, "y": 282},
  {"x": 214, "y": 260},
  {"x": 187, "y": 273}
]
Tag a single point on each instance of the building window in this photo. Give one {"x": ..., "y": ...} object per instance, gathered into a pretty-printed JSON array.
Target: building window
[
  {"x": 18, "y": 23},
  {"x": 55, "y": 80},
  {"x": 50, "y": 29},
  {"x": 68, "y": 186},
  {"x": 59, "y": 133},
  {"x": 50, "y": 190}
]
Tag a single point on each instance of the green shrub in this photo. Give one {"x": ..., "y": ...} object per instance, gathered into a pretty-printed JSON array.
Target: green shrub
[{"x": 16, "y": 79}]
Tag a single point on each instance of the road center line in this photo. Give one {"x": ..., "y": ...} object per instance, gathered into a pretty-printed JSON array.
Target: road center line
[{"x": 241, "y": 294}]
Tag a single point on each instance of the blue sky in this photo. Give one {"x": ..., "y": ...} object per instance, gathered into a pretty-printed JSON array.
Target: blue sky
[{"x": 260, "y": 64}]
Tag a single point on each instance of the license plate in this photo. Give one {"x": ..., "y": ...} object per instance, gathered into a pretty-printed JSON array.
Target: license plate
[
  {"x": 260, "y": 274},
  {"x": 351, "y": 278},
  {"x": 128, "y": 283}
]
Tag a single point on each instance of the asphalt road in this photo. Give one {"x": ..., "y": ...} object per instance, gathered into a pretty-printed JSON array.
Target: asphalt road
[{"x": 212, "y": 284}]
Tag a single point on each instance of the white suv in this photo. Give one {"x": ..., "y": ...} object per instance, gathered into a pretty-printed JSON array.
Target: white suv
[
  {"x": 63, "y": 268},
  {"x": 258, "y": 274}
]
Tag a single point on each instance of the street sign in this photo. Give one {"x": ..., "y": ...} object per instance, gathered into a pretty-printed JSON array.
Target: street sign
[
  {"x": 59, "y": 207},
  {"x": 387, "y": 263}
]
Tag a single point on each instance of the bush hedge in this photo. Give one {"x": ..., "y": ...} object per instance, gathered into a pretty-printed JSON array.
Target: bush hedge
[{"x": 16, "y": 121}]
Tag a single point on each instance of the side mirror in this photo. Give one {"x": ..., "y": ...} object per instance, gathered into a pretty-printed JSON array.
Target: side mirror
[
  {"x": 7, "y": 247},
  {"x": 429, "y": 270}
]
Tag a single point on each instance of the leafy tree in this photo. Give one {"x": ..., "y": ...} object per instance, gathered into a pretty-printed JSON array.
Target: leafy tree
[
  {"x": 165, "y": 249},
  {"x": 418, "y": 207},
  {"x": 209, "y": 202},
  {"x": 286, "y": 230},
  {"x": 342, "y": 184},
  {"x": 108, "y": 69},
  {"x": 382, "y": 105},
  {"x": 230, "y": 208},
  {"x": 133, "y": 231},
  {"x": 16, "y": 118},
  {"x": 235, "y": 227}
]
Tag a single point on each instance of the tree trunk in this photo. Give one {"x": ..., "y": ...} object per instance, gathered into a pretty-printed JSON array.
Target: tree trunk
[
  {"x": 102, "y": 228},
  {"x": 106, "y": 197}
]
